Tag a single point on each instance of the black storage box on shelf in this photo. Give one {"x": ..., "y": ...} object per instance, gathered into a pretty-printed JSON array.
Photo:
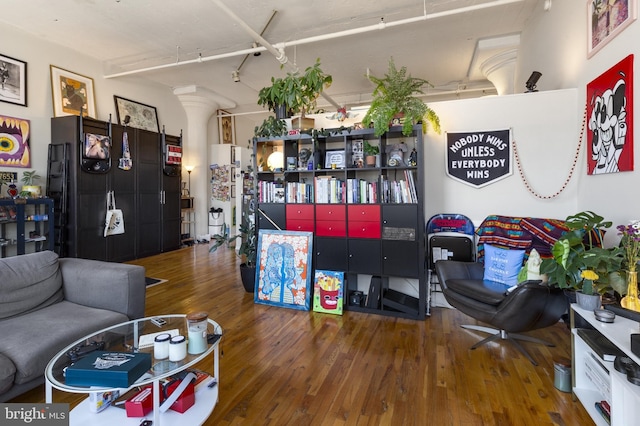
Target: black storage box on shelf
[{"x": 108, "y": 369}]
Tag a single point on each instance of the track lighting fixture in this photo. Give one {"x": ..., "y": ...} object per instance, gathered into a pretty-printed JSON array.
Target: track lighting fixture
[
  {"x": 236, "y": 76},
  {"x": 531, "y": 83},
  {"x": 255, "y": 45}
]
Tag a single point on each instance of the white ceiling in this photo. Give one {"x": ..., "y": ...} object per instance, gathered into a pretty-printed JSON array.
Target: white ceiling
[{"x": 130, "y": 35}]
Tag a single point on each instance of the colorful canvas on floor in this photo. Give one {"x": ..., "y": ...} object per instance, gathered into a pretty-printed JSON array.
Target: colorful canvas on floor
[
  {"x": 328, "y": 292},
  {"x": 283, "y": 276}
]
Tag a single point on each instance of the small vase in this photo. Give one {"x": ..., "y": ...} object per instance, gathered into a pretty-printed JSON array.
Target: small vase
[{"x": 630, "y": 301}]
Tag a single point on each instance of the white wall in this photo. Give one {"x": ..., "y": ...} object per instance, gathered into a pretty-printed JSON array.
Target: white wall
[
  {"x": 555, "y": 43},
  {"x": 39, "y": 110},
  {"x": 545, "y": 129}
]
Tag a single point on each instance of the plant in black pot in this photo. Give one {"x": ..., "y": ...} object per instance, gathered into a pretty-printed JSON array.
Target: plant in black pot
[
  {"x": 370, "y": 152},
  {"x": 393, "y": 99},
  {"x": 295, "y": 93},
  {"x": 246, "y": 251},
  {"x": 580, "y": 264}
]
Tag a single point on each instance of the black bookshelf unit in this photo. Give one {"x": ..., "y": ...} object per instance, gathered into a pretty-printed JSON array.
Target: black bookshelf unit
[
  {"x": 367, "y": 221},
  {"x": 26, "y": 226}
]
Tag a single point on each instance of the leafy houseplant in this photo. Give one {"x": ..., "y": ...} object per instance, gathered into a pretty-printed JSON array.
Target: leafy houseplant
[
  {"x": 270, "y": 127},
  {"x": 578, "y": 262},
  {"x": 29, "y": 189},
  {"x": 393, "y": 97},
  {"x": 297, "y": 93},
  {"x": 370, "y": 152},
  {"x": 247, "y": 251}
]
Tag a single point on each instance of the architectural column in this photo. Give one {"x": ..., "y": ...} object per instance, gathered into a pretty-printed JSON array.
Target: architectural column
[
  {"x": 500, "y": 70},
  {"x": 199, "y": 104}
]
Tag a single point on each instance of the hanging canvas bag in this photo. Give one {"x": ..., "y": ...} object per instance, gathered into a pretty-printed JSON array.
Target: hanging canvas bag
[{"x": 114, "y": 221}]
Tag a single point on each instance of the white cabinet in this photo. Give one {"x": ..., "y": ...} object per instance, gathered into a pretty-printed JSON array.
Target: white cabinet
[{"x": 594, "y": 379}]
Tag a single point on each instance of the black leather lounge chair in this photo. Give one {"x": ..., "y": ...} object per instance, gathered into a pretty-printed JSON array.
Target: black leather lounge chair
[{"x": 530, "y": 306}]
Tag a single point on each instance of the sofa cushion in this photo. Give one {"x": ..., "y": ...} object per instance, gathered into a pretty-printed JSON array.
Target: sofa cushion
[
  {"x": 7, "y": 373},
  {"x": 502, "y": 265},
  {"x": 29, "y": 282},
  {"x": 49, "y": 330}
]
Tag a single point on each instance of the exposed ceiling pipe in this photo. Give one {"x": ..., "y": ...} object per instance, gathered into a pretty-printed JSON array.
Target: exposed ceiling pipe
[
  {"x": 255, "y": 44},
  {"x": 278, "y": 49},
  {"x": 279, "y": 54},
  {"x": 353, "y": 31}
]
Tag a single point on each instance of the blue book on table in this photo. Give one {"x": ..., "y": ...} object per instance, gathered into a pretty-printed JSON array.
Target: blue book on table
[{"x": 108, "y": 369}]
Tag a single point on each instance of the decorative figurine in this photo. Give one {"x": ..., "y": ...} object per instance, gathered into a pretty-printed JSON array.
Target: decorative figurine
[
  {"x": 413, "y": 158},
  {"x": 396, "y": 154}
]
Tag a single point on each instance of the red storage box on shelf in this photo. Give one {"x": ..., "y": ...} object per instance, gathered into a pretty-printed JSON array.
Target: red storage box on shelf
[
  {"x": 140, "y": 404},
  {"x": 185, "y": 400}
]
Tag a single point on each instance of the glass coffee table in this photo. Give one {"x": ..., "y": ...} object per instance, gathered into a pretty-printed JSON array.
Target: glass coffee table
[{"x": 134, "y": 336}]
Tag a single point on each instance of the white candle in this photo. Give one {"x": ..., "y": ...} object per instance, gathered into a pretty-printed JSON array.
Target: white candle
[
  {"x": 161, "y": 346},
  {"x": 177, "y": 348}
]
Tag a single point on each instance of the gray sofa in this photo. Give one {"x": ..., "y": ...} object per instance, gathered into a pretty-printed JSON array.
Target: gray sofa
[{"x": 46, "y": 303}]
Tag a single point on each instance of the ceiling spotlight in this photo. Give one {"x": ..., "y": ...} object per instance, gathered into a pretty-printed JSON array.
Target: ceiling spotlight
[
  {"x": 236, "y": 76},
  {"x": 255, "y": 45},
  {"x": 531, "y": 83}
]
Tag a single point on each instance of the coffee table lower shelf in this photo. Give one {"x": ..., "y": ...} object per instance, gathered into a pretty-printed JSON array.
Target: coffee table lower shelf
[{"x": 206, "y": 400}]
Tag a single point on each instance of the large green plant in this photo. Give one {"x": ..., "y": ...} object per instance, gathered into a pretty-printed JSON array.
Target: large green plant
[
  {"x": 270, "y": 127},
  {"x": 579, "y": 263},
  {"x": 299, "y": 92},
  {"x": 248, "y": 246},
  {"x": 393, "y": 96}
]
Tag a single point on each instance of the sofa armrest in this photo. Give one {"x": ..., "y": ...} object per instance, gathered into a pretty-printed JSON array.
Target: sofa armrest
[{"x": 113, "y": 286}]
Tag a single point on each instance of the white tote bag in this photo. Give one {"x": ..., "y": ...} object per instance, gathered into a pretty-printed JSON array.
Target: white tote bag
[{"x": 114, "y": 222}]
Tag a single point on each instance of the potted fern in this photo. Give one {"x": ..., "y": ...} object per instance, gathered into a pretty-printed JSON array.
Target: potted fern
[{"x": 393, "y": 98}]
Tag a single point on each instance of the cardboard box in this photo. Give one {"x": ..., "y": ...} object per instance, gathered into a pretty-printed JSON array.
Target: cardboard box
[{"x": 108, "y": 369}]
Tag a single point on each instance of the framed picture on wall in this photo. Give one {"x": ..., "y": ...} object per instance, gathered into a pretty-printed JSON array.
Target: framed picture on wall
[
  {"x": 141, "y": 116},
  {"x": 16, "y": 139},
  {"x": 13, "y": 81},
  {"x": 72, "y": 93},
  {"x": 227, "y": 125},
  {"x": 610, "y": 119},
  {"x": 606, "y": 19}
]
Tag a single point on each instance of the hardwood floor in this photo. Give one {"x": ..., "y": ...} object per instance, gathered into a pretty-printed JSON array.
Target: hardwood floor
[{"x": 282, "y": 366}]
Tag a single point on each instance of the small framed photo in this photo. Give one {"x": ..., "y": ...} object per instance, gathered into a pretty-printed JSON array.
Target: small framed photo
[
  {"x": 227, "y": 127},
  {"x": 606, "y": 19},
  {"x": 334, "y": 159},
  {"x": 13, "y": 81},
  {"x": 72, "y": 93},
  {"x": 141, "y": 116}
]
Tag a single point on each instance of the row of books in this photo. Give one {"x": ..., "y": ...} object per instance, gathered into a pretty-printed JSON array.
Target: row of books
[
  {"x": 401, "y": 191},
  {"x": 331, "y": 190}
]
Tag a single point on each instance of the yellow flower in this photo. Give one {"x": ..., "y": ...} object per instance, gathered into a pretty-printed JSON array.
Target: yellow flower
[{"x": 589, "y": 275}]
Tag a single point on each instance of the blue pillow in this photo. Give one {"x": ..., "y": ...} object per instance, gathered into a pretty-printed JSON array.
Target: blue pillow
[{"x": 502, "y": 265}]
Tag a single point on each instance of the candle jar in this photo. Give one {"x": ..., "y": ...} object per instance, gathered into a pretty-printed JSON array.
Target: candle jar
[
  {"x": 197, "y": 329},
  {"x": 177, "y": 348},
  {"x": 161, "y": 346}
]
